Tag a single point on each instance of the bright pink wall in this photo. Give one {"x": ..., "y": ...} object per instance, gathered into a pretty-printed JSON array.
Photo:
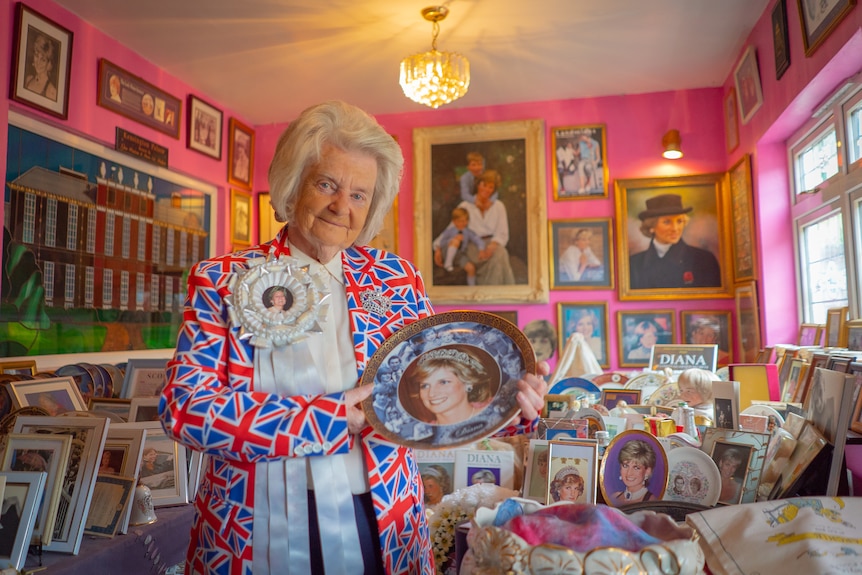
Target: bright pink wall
[{"x": 96, "y": 123}]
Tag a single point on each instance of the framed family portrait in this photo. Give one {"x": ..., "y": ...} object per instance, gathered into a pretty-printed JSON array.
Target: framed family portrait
[
  {"x": 204, "y": 127},
  {"x": 634, "y": 469},
  {"x": 639, "y": 331},
  {"x": 144, "y": 409},
  {"x": 589, "y": 318},
  {"x": 707, "y": 328},
  {"x": 240, "y": 218},
  {"x": 743, "y": 238},
  {"x": 240, "y": 146},
  {"x": 780, "y": 42},
  {"x": 581, "y": 254},
  {"x": 580, "y": 153},
  {"x": 731, "y": 121},
  {"x": 55, "y": 395},
  {"x": 572, "y": 471},
  {"x": 122, "y": 456},
  {"x": 747, "y": 321},
  {"x": 746, "y": 78},
  {"x": 500, "y": 166},
  {"x": 41, "y": 63},
  {"x": 688, "y": 215},
  {"x": 818, "y": 19},
  {"x": 836, "y": 318}
]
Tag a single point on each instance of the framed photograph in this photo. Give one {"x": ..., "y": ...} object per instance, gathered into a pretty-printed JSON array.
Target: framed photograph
[
  {"x": 856, "y": 418},
  {"x": 144, "y": 378},
  {"x": 708, "y": 327},
  {"x": 536, "y": 472},
  {"x": 437, "y": 469},
  {"x": 474, "y": 466},
  {"x": 818, "y": 19},
  {"x": 133, "y": 97},
  {"x": 853, "y": 334},
  {"x": 204, "y": 128},
  {"x": 688, "y": 213},
  {"x": 122, "y": 456},
  {"x": 88, "y": 438},
  {"x": 240, "y": 218},
  {"x": 48, "y": 453},
  {"x": 25, "y": 368},
  {"x": 580, "y": 153},
  {"x": 731, "y": 121},
  {"x": 41, "y": 63},
  {"x": 809, "y": 443},
  {"x": 19, "y": 505},
  {"x": 780, "y": 42},
  {"x": 572, "y": 472},
  {"x": 809, "y": 334},
  {"x": 610, "y": 397},
  {"x": 119, "y": 408},
  {"x": 639, "y": 331},
  {"x": 743, "y": 237},
  {"x": 558, "y": 429},
  {"x": 240, "y": 147},
  {"x": 752, "y": 446},
  {"x": 725, "y": 401},
  {"x": 144, "y": 409},
  {"x": 634, "y": 469},
  {"x": 589, "y": 318},
  {"x": 747, "y": 321},
  {"x": 164, "y": 468},
  {"x": 798, "y": 370},
  {"x": 55, "y": 395},
  {"x": 836, "y": 318},
  {"x": 507, "y": 160},
  {"x": 111, "y": 498},
  {"x": 581, "y": 254},
  {"x": 746, "y": 78},
  {"x": 557, "y": 405}
]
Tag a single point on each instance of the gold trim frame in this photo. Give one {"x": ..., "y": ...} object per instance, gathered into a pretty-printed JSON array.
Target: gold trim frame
[
  {"x": 587, "y": 138},
  {"x": 26, "y": 367},
  {"x": 707, "y": 230},
  {"x": 437, "y": 192},
  {"x": 629, "y": 341},
  {"x": 564, "y": 234},
  {"x": 810, "y": 331},
  {"x": 747, "y": 322},
  {"x": 55, "y": 395},
  {"x": 743, "y": 239},
  {"x": 836, "y": 317},
  {"x": 691, "y": 320},
  {"x": 570, "y": 314},
  {"x": 240, "y": 169},
  {"x": 240, "y": 218}
]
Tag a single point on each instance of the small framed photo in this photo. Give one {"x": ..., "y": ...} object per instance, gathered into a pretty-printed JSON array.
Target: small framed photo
[
  {"x": 558, "y": 405},
  {"x": 144, "y": 409},
  {"x": 853, "y": 335},
  {"x": 748, "y": 321},
  {"x": 809, "y": 444},
  {"x": 144, "y": 378},
  {"x": 37, "y": 452},
  {"x": 25, "y": 368},
  {"x": 743, "y": 239},
  {"x": 437, "y": 469},
  {"x": 240, "y": 218},
  {"x": 809, "y": 334},
  {"x": 562, "y": 429},
  {"x": 572, "y": 472},
  {"x": 41, "y": 63},
  {"x": 818, "y": 19},
  {"x": 725, "y": 400},
  {"x": 746, "y": 78},
  {"x": 797, "y": 373},
  {"x": 117, "y": 407},
  {"x": 731, "y": 121},
  {"x": 19, "y": 503},
  {"x": 589, "y": 318},
  {"x": 164, "y": 468},
  {"x": 639, "y": 331},
  {"x": 581, "y": 254},
  {"x": 474, "y": 466},
  {"x": 114, "y": 494},
  {"x": 122, "y": 456},
  {"x": 739, "y": 481},
  {"x": 611, "y": 397},
  {"x": 55, "y": 395},
  {"x": 536, "y": 472},
  {"x": 581, "y": 160},
  {"x": 780, "y": 42},
  {"x": 634, "y": 469},
  {"x": 836, "y": 318},
  {"x": 706, "y": 328},
  {"x": 732, "y": 461},
  {"x": 240, "y": 154},
  {"x": 204, "y": 128},
  {"x": 543, "y": 338}
]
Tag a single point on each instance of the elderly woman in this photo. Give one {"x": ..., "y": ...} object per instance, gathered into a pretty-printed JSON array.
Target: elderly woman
[
  {"x": 281, "y": 418},
  {"x": 489, "y": 220},
  {"x": 669, "y": 262}
]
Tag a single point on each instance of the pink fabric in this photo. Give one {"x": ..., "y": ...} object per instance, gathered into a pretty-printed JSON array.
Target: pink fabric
[{"x": 580, "y": 527}]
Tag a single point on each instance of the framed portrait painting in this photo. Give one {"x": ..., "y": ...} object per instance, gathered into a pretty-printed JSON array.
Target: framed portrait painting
[
  {"x": 500, "y": 166},
  {"x": 572, "y": 471},
  {"x": 731, "y": 121},
  {"x": 204, "y": 128},
  {"x": 780, "y": 41},
  {"x": 240, "y": 165},
  {"x": 634, "y": 469},
  {"x": 747, "y": 322},
  {"x": 41, "y": 63},
  {"x": 743, "y": 240},
  {"x": 639, "y": 331},
  {"x": 818, "y": 19},
  {"x": 581, "y": 254},
  {"x": 706, "y": 328},
  {"x": 835, "y": 319},
  {"x": 580, "y": 155},
  {"x": 240, "y": 218},
  {"x": 746, "y": 78},
  {"x": 688, "y": 214},
  {"x": 589, "y": 318}
]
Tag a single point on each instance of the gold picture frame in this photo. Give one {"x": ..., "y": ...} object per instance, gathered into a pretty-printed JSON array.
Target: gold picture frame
[
  {"x": 583, "y": 174},
  {"x": 267, "y": 225},
  {"x": 516, "y": 151},
  {"x": 810, "y": 334},
  {"x": 240, "y": 218},
  {"x": 836, "y": 318},
  {"x": 743, "y": 241},
  {"x": 240, "y": 149},
  {"x": 747, "y": 322},
  {"x": 703, "y": 247}
]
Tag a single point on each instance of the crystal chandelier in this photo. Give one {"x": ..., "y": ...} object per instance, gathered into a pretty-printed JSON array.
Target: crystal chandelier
[{"x": 435, "y": 78}]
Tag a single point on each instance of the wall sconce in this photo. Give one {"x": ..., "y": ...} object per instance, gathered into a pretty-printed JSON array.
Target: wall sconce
[{"x": 671, "y": 144}]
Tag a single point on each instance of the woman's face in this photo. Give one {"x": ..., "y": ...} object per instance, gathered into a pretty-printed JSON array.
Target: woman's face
[
  {"x": 668, "y": 229},
  {"x": 633, "y": 474},
  {"x": 485, "y": 189},
  {"x": 41, "y": 56},
  {"x": 150, "y": 456},
  {"x": 728, "y": 467},
  {"x": 570, "y": 491},
  {"x": 442, "y": 391},
  {"x": 704, "y": 336},
  {"x": 542, "y": 347},
  {"x": 585, "y": 326},
  {"x": 648, "y": 338},
  {"x": 278, "y": 299},
  {"x": 433, "y": 491}
]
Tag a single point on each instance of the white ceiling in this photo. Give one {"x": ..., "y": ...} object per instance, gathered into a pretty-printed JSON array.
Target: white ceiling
[{"x": 269, "y": 59}]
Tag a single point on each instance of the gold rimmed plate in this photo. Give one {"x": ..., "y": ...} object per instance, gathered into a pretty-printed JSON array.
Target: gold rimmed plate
[{"x": 447, "y": 380}]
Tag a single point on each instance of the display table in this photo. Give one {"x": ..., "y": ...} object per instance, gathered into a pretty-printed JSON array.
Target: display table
[{"x": 145, "y": 549}]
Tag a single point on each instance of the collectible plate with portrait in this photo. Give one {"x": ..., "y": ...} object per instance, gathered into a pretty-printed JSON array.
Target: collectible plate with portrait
[
  {"x": 644, "y": 380},
  {"x": 447, "y": 380},
  {"x": 634, "y": 469},
  {"x": 577, "y": 386},
  {"x": 692, "y": 477}
]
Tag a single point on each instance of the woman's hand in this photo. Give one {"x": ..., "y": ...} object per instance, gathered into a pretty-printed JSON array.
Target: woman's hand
[
  {"x": 531, "y": 392},
  {"x": 355, "y": 415}
]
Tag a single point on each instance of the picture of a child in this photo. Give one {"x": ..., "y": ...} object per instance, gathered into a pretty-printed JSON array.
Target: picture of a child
[{"x": 450, "y": 247}]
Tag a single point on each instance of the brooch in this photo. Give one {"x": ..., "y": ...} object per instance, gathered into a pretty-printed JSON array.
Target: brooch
[
  {"x": 278, "y": 301},
  {"x": 373, "y": 301}
]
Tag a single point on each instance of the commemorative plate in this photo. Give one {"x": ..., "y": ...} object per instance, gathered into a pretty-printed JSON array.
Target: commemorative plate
[
  {"x": 577, "y": 386},
  {"x": 447, "y": 380},
  {"x": 692, "y": 477}
]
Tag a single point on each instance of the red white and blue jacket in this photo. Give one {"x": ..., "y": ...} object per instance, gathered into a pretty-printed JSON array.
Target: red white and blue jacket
[{"x": 209, "y": 404}]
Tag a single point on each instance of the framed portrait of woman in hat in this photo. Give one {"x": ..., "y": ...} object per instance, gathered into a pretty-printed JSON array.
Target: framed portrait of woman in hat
[{"x": 674, "y": 238}]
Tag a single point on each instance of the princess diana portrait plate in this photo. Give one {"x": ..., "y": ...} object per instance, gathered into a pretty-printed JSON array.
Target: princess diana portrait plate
[
  {"x": 692, "y": 477},
  {"x": 447, "y": 380}
]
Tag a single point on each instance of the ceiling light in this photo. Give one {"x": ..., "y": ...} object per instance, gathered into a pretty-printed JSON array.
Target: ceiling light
[
  {"x": 671, "y": 144},
  {"x": 435, "y": 78}
]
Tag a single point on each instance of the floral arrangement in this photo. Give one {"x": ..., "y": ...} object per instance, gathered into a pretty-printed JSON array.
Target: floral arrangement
[{"x": 455, "y": 509}]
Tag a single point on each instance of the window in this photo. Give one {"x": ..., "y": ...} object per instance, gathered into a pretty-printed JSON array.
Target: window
[
  {"x": 48, "y": 282},
  {"x": 72, "y": 235},
  {"x": 853, "y": 120},
  {"x": 110, "y": 221},
  {"x": 142, "y": 240},
  {"x": 140, "y": 290},
  {"x": 824, "y": 275},
  {"x": 69, "y": 291},
  {"x": 107, "y": 288},
  {"x": 124, "y": 289},
  {"x": 89, "y": 286},
  {"x": 127, "y": 235},
  {"x": 157, "y": 239},
  {"x": 51, "y": 222},
  {"x": 91, "y": 230},
  {"x": 815, "y": 160},
  {"x": 154, "y": 293},
  {"x": 29, "y": 234}
]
